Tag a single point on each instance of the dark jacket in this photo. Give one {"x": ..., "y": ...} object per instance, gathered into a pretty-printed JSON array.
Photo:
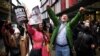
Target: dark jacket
[{"x": 84, "y": 41}]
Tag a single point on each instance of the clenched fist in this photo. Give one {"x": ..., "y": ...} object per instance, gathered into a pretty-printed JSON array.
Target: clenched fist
[{"x": 82, "y": 10}]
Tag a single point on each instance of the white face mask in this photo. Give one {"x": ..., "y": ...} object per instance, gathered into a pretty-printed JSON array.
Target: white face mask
[{"x": 86, "y": 24}]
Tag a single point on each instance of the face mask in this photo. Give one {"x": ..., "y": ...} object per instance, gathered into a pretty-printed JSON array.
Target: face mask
[{"x": 86, "y": 24}]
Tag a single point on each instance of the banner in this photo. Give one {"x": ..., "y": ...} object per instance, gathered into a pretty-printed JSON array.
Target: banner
[
  {"x": 36, "y": 10},
  {"x": 20, "y": 13},
  {"x": 36, "y": 15}
]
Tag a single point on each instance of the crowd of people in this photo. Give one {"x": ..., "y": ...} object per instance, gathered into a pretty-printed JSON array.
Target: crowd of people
[{"x": 66, "y": 37}]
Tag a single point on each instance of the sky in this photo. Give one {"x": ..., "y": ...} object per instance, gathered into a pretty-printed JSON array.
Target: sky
[{"x": 28, "y": 3}]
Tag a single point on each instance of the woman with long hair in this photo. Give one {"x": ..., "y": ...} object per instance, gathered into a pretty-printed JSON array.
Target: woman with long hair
[{"x": 39, "y": 39}]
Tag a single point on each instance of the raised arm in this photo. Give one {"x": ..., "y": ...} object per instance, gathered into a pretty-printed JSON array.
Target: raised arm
[
  {"x": 52, "y": 15},
  {"x": 25, "y": 30},
  {"x": 76, "y": 19},
  {"x": 30, "y": 29}
]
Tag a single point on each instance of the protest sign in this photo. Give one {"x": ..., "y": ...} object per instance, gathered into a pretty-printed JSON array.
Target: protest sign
[{"x": 20, "y": 13}]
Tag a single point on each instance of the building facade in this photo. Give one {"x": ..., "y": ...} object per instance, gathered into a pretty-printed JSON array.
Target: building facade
[
  {"x": 64, "y": 6},
  {"x": 57, "y": 5}
]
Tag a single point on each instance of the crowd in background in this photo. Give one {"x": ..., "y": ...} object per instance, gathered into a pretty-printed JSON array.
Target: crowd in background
[
  {"x": 14, "y": 39},
  {"x": 88, "y": 38}
]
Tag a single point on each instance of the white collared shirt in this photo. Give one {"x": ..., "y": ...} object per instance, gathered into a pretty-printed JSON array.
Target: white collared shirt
[{"x": 61, "y": 37}]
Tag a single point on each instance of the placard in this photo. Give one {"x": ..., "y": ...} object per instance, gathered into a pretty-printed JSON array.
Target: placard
[
  {"x": 36, "y": 15},
  {"x": 20, "y": 13}
]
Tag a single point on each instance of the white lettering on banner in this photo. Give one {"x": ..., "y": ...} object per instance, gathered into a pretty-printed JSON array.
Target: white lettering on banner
[
  {"x": 20, "y": 12},
  {"x": 21, "y": 19}
]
